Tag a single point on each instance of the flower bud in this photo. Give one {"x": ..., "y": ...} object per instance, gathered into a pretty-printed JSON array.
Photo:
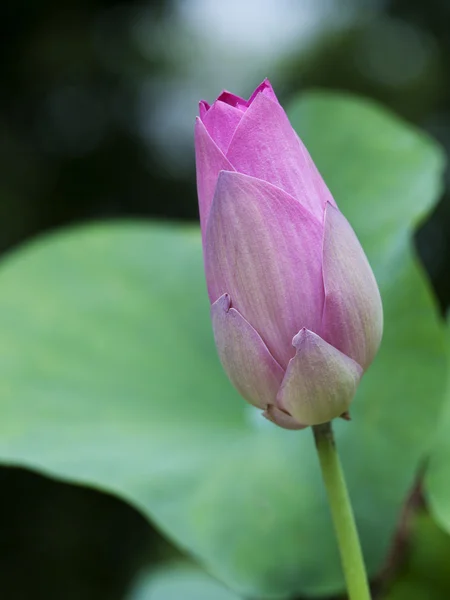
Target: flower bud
[{"x": 296, "y": 311}]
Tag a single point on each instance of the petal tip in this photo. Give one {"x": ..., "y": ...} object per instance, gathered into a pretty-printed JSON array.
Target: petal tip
[
  {"x": 203, "y": 108},
  {"x": 232, "y": 99},
  {"x": 264, "y": 88},
  {"x": 223, "y": 303},
  {"x": 200, "y": 128},
  {"x": 298, "y": 337},
  {"x": 330, "y": 206},
  {"x": 225, "y": 176}
]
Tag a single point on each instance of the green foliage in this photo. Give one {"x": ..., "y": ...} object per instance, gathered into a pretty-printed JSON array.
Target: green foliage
[
  {"x": 179, "y": 582},
  {"x": 438, "y": 469},
  {"x": 109, "y": 376},
  {"x": 425, "y": 574}
]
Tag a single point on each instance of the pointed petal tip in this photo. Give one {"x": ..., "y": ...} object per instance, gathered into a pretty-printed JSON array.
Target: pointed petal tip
[
  {"x": 265, "y": 88},
  {"x": 225, "y": 175},
  {"x": 223, "y": 303},
  {"x": 200, "y": 128},
  {"x": 203, "y": 108},
  {"x": 232, "y": 99},
  {"x": 330, "y": 208},
  {"x": 227, "y": 179},
  {"x": 298, "y": 337},
  {"x": 265, "y": 83}
]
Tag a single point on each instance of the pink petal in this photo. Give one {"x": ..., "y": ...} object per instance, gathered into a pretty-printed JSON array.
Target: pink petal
[
  {"x": 313, "y": 179},
  {"x": 264, "y": 88},
  {"x": 233, "y": 100},
  {"x": 221, "y": 121},
  {"x": 209, "y": 162},
  {"x": 265, "y": 250},
  {"x": 353, "y": 313},
  {"x": 282, "y": 419},
  {"x": 320, "y": 381},
  {"x": 240, "y": 103},
  {"x": 265, "y": 146},
  {"x": 203, "y": 108},
  {"x": 245, "y": 358}
]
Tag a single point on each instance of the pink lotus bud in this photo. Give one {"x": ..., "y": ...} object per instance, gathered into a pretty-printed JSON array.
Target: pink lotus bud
[{"x": 296, "y": 310}]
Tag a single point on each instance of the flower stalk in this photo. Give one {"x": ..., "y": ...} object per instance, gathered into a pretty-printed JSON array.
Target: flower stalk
[{"x": 342, "y": 514}]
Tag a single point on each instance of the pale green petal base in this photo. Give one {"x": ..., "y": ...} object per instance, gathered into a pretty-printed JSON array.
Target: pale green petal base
[{"x": 320, "y": 381}]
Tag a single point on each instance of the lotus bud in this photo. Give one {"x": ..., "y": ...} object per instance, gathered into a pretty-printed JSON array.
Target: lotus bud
[{"x": 295, "y": 307}]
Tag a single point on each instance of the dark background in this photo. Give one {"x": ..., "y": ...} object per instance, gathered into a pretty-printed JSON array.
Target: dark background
[{"x": 97, "y": 100}]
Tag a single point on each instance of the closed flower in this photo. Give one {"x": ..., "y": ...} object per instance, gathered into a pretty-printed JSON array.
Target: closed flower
[{"x": 296, "y": 311}]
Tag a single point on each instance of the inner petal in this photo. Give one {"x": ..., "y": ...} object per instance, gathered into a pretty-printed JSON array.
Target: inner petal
[{"x": 221, "y": 121}]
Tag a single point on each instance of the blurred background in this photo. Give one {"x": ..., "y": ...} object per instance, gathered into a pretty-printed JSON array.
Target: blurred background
[{"x": 97, "y": 102}]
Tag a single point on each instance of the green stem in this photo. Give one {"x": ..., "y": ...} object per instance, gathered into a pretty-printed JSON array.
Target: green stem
[{"x": 342, "y": 513}]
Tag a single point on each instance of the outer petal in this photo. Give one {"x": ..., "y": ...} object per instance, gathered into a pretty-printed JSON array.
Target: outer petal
[
  {"x": 209, "y": 162},
  {"x": 264, "y": 88},
  {"x": 265, "y": 146},
  {"x": 282, "y": 419},
  {"x": 353, "y": 313},
  {"x": 245, "y": 358},
  {"x": 314, "y": 180},
  {"x": 221, "y": 121},
  {"x": 264, "y": 249},
  {"x": 320, "y": 381}
]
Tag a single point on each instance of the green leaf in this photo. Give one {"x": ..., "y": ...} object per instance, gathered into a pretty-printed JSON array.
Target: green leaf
[
  {"x": 109, "y": 376},
  {"x": 179, "y": 582},
  {"x": 424, "y": 573},
  {"x": 437, "y": 480}
]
